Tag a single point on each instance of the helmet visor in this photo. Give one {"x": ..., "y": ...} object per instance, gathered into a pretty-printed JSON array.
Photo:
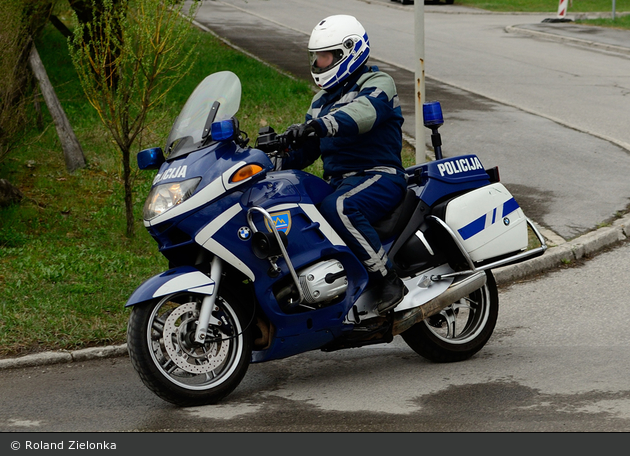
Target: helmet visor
[{"x": 322, "y": 61}]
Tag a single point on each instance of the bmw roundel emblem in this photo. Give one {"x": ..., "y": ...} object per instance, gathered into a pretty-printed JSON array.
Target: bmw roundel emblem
[
  {"x": 506, "y": 221},
  {"x": 244, "y": 233}
]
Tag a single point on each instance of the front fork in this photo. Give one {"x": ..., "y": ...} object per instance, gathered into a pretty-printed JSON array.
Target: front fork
[{"x": 208, "y": 305}]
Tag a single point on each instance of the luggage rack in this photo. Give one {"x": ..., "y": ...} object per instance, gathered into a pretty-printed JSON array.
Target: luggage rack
[{"x": 518, "y": 258}]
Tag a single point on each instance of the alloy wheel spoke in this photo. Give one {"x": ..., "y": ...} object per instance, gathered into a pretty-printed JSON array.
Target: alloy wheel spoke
[{"x": 450, "y": 319}]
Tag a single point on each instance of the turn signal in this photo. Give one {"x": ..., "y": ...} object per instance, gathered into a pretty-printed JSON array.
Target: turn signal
[{"x": 245, "y": 172}]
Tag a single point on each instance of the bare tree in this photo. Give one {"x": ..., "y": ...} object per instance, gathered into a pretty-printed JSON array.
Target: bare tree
[
  {"x": 72, "y": 151},
  {"x": 22, "y": 22},
  {"x": 128, "y": 58}
]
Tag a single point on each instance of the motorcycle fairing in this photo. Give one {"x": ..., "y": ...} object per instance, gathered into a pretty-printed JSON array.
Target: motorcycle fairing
[
  {"x": 285, "y": 346},
  {"x": 216, "y": 225},
  {"x": 219, "y": 223},
  {"x": 311, "y": 329},
  {"x": 297, "y": 193},
  {"x": 287, "y": 185},
  {"x": 175, "y": 229},
  {"x": 185, "y": 278},
  {"x": 215, "y": 165},
  {"x": 176, "y": 237},
  {"x": 237, "y": 257}
]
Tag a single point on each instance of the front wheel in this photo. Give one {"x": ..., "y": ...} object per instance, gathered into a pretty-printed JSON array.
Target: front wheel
[
  {"x": 460, "y": 330},
  {"x": 160, "y": 340}
]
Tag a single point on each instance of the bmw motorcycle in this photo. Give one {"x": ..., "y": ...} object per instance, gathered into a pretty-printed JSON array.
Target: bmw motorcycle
[{"x": 257, "y": 274}]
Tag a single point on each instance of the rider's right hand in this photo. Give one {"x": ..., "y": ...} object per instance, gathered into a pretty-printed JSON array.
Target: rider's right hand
[
  {"x": 298, "y": 134},
  {"x": 291, "y": 134}
]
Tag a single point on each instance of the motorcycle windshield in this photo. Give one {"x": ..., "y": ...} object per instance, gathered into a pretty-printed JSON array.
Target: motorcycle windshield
[{"x": 216, "y": 98}]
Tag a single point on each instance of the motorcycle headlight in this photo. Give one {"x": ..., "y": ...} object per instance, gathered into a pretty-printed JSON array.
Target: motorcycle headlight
[{"x": 165, "y": 196}]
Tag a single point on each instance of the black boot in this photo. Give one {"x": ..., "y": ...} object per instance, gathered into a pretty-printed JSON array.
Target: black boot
[{"x": 391, "y": 291}]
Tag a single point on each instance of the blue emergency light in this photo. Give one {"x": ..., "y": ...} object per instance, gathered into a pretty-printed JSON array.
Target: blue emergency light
[
  {"x": 222, "y": 130},
  {"x": 432, "y": 112},
  {"x": 433, "y": 119}
]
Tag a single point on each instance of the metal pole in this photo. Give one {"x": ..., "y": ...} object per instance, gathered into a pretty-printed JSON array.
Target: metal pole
[
  {"x": 420, "y": 93},
  {"x": 613, "y": 11}
]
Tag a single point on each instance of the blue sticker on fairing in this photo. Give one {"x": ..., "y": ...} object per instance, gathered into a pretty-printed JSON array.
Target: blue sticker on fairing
[
  {"x": 509, "y": 206},
  {"x": 281, "y": 221},
  {"x": 474, "y": 227},
  {"x": 478, "y": 225}
]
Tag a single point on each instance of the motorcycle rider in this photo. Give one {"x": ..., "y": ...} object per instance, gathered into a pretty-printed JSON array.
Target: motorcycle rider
[{"x": 355, "y": 124}]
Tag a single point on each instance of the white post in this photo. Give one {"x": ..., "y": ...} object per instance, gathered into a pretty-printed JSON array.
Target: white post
[
  {"x": 420, "y": 94},
  {"x": 613, "y": 11},
  {"x": 562, "y": 8}
]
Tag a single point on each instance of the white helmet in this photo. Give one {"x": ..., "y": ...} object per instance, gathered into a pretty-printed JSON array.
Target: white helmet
[{"x": 345, "y": 37}]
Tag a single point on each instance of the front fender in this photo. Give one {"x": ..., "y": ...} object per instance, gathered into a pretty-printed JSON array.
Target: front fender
[{"x": 184, "y": 278}]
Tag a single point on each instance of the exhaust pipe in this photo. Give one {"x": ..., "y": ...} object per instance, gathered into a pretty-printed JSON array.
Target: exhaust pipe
[{"x": 455, "y": 292}]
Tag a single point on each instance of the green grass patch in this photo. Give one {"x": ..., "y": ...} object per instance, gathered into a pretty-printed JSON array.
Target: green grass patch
[
  {"x": 622, "y": 8},
  {"x": 543, "y": 6},
  {"x": 66, "y": 267},
  {"x": 620, "y": 22}
]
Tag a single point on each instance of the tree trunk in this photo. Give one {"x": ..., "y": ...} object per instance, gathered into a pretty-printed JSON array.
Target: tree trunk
[
  {"x": 72, "y": 151},
  {"x": 128, "y": 192}
]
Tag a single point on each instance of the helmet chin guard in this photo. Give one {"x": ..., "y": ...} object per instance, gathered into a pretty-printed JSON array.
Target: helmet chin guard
[{"x": 345, "y": 38}]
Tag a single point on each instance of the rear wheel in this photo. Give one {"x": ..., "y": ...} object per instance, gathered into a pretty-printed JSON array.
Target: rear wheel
[
  {"x": 460, "y": 330},
  {"x": 160, "y": 339}
]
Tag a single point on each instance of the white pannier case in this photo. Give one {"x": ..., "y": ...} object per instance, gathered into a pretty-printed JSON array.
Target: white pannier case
[{"x": 488, "y": 222}]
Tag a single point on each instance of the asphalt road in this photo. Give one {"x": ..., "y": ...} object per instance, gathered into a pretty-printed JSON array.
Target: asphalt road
[{"x": 557, "y": 362}]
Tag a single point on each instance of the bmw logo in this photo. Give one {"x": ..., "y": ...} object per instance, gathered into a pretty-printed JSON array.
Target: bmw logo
[
  {"x": 506, "y": 221},
  {"x": 244, "y": 233}
]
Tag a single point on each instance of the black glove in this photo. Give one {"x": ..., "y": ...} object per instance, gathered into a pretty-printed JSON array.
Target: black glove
[{"x": 298, "y": 134}]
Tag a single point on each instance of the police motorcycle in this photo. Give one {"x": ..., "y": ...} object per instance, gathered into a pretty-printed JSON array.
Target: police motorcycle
[{"x": 257, "y": 274}]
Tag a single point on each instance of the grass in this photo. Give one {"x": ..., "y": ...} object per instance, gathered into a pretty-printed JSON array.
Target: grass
[
  {"x": 622, "y": 7},
  {"x": 620, "y": 22},
  {"x": 66, "y": 268},
  {"x": 543, "y": 6}
]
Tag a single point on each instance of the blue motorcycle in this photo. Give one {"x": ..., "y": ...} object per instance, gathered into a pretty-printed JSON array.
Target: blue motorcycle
[{"x": 257, "y": 274}]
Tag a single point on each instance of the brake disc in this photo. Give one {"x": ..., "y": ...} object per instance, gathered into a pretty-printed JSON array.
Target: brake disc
[{"x": 179, "y": 332}]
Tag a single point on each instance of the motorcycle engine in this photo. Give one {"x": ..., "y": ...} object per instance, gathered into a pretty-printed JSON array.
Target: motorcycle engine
[{"x": 322, "y": 282}]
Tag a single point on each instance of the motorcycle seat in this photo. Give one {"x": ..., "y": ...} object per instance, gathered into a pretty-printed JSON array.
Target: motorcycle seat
[{"x": 393, "y": 223}]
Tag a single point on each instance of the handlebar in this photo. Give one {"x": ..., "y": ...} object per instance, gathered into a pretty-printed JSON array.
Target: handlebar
[{"x": 271, "y": 142}]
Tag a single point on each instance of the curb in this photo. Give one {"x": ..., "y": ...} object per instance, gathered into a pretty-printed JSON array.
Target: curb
[
  {"x": 565, "y": 253},
  {"x": 59, "y": 357},
  {"x": 556, "y": 255},
  {"x": 564, "y": 38}
]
